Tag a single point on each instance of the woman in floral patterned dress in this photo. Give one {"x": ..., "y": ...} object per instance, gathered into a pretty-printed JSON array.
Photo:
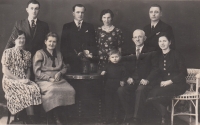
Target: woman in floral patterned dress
[
  {"x": 20, "y": 92},
  {"x": 107, "y": 37}
]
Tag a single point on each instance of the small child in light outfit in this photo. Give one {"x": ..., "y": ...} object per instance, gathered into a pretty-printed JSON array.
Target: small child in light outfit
[{"x": 116, "y": 76}]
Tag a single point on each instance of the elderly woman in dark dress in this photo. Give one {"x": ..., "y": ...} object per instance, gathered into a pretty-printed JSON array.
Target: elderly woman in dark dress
[
  {"x": 49, "y": 68},
  {"x": 108, "y": 37},
  {"x": 172, "y": 76}
]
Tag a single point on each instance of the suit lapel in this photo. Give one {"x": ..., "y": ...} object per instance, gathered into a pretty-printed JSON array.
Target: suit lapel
[
  {"x": 144, "y": 50},
  {"x": 83, "y": 27},
  {"x": 27, "y": 28},
  {"x": 156, "y": 30},
  {"x": 37, "y": 28}
]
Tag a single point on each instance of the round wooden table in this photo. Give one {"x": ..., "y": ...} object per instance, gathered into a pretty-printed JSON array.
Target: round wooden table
[
  {"x": 83, "y": 76},
  {"x": 89, "y": 94}
]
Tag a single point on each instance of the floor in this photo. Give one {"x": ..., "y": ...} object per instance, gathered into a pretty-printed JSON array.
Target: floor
[
  {"x": 94, "y": 121},
  {"x": 150, "y": 119},
  {"x": 3, "y": 121}
]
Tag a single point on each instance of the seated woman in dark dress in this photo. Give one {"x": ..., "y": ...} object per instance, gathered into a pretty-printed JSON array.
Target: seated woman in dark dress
[{"x": 172, "y": 77}]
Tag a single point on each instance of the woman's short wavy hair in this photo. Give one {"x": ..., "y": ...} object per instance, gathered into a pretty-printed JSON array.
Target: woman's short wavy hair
[
  {"x": 103, "y": 12},
  {"x": 17, "y": 34},
  {"x": 52, "y": 34},
  {"x": 165, "y": 35}
]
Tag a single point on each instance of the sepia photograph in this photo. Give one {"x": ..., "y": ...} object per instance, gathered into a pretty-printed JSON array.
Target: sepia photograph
[{"x": 100, "y": 62}]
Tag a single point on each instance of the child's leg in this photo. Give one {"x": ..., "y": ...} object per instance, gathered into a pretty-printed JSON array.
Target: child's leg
[
  {"x": 109, "y": 103},
  {"x": 116, "y": 105}
]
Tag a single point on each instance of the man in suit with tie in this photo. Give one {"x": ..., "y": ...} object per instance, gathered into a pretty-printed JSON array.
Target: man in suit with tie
[
  {"x": 143, "y": 69},
  {"x": 156, "y": 26},
  {"x": 35, "y": 30},
  {"x": 76, "y": 37}
]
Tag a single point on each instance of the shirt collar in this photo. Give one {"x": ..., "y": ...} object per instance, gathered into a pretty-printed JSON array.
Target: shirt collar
[
  {"x": 154, "y": 24},
  {"x": 35, "y": 21},
  {"x": 140, "y": 48},
  {"x": 76, "y": 22}
]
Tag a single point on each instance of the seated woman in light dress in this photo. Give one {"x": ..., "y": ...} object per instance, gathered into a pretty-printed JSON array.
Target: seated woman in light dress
[
  {"x": 49, "y": 68},
  {"x": 20, "y": 92}
]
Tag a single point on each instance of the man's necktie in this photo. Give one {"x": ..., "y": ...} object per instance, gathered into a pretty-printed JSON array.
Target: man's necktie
[
  {"x": 79, "y": 26},
  {"x": 137, "y": 52},
  {"x": 32, "y": 24},
  {"x": 32, "y": 27},
  {"x": 152, "y": 28}
]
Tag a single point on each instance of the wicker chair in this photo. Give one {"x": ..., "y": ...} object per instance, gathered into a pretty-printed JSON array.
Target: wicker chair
[{"x": 193, "y": 79}]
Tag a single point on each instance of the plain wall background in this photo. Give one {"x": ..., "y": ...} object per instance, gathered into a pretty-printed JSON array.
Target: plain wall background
[{"x": 183, "y": 16}]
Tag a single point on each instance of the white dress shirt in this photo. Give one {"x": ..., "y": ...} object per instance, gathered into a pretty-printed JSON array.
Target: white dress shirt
[
  {"x": 77, "y": 23},
  {"x": 30, "y": 21},
  {"x": 140, "y": 48}
]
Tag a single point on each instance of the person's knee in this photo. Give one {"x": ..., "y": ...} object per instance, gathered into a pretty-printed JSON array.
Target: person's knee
[
  {"x": 140, "y": 89},
  {"x": 120, "y": 90},
  {"x": 72, "y": 90}
]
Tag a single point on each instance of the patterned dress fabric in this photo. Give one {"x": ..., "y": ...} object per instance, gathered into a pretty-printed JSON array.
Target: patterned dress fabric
[
  {"x": 54, "y": 94},
  {"x": 107, "y": 41},
  {"x": 18, "y": 94}
]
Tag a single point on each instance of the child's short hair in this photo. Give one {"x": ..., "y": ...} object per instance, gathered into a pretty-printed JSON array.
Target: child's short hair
[{"x": 114, "y": 51}]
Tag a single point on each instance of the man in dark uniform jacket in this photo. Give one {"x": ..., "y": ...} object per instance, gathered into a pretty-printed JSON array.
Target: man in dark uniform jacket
[
  {"x": 153, "y": 30},
  {"x": 143, "y": 69},
  {"x": 35, "y": 30},
  {"x": 76, "y": 37}
]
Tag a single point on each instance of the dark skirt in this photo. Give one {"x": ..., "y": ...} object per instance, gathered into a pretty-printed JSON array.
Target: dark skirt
[{"x": 165, "y": 94}]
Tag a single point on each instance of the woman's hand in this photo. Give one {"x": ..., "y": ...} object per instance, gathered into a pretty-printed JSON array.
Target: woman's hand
[
  {"x": 24, "y": 81},
  {"x": 58, "y": 76},
  {"x": 51, "y": 80},
  {"x": 144, "y": 82},
  {"x": 103, "y": 73},
  {"x": 130, "y": 81},
  {"x": 166, "y": 83}
]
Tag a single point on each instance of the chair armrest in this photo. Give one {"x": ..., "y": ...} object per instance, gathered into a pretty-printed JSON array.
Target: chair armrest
[{"x": 198, "y": 76}]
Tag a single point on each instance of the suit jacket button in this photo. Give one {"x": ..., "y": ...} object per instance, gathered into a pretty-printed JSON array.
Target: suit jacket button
[
  {"x": 164, "y": 68},
  {"x": 168, "y": 74}
]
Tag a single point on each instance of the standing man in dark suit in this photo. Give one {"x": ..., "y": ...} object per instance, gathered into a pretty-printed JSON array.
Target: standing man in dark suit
[
  {"x": 76, "y": 37},
  {"x": 35, "y": 30},
  {"x": 156, "y": 26},
  {"x": 142, "y": 66}
]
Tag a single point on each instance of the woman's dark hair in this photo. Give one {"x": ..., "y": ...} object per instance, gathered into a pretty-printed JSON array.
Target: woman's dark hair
[
  {"x": 52, "y": 34},
  {"x": 114, "y": 51},
  {"x": 103, "y": 12},
  {"x": 165, "y": 35},
  {"x": 17, "y": 34}
]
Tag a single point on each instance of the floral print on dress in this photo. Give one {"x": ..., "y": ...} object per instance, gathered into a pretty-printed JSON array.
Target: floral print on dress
[
  {"x": 19, "y": 95},
  {"x": 107, "y": 41}
]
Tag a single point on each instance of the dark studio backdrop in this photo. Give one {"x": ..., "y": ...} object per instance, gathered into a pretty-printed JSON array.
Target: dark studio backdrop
[{"x": 183, "y": 16}]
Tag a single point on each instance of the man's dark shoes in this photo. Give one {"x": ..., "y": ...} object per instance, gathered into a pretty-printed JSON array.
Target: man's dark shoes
[
  {"x": 164, "y": 121},
  {"x": 117, "y": 121},
  {"x": 135, "y": 121},
  {"x": 108, "y": 121},
  {"x": 127, "y": 120}
]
